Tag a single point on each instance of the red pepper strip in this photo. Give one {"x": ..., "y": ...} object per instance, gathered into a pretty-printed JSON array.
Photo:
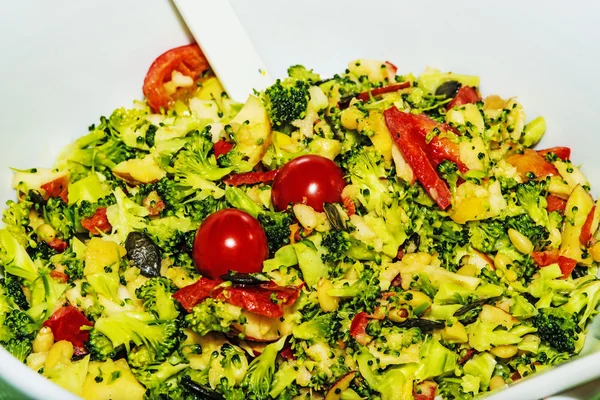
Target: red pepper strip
[
  {"x": 440, "y": 149},
  {"x": 468, "y": 355},
  {"x": 531, "y": 162},
  {"x": 97, "y": 223},
  {"x": 250, "y": 178},
  {"x": 586, "y": 230},
  {"x": 58, "y": 245},
  {"x": 555, "y": 203},
  {"x": 66, "y": 323},
  {"x": 61, "y": 276},
  {"x": 405, "y": 129},
  {"x": 57, "y": 188},
  {"x": 265, "y": 302},
  {"x": 424, "y": 390},
  {"x": 379, "y": 91},
  {"x": 465, "y": 95},
  {"x": 564, "y": 153},
  {"x": 222, "y": 147},
  {"x": 349, "y": 206},
  {"x": 358, "y": 328},
  {"x": 548, "y": 257},
  {"x": 191, "y": 295}
]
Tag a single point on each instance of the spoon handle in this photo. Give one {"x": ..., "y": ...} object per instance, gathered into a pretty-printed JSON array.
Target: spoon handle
[{"x": 220, "y": 35}]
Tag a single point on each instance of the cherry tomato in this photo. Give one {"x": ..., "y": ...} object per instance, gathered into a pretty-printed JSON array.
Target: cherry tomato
[
  {"x": 188, "y": 60},
  {"x": 229, "y": 240},
  {"x": 310, "y": 179}
]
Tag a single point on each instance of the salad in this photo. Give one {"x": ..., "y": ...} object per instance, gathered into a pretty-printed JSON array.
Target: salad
[{"x": 366, "y": 236}]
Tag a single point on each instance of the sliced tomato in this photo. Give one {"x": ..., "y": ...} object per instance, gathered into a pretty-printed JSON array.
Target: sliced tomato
[
  {"x": 250, "y": 178},
  {"x": 358, "y": 328},
  {"x": 379, "y": 91},
  {"x": 60, "y": 276},
  {"x": 57, "y": 188},
  {"x": 407, "y": 131},
  {"x": 191, "y": 295},
  {"x": 349, "y": 205},
  {"x": 586, "y": 231},
  {"x": 66, "y": 324},
  {"x": 531, "y": 162},
  {"x": 222, "y": 147},
  {"x": 58, "y": 245},
  {"x": 555, "y": 203},
  {"x": 548, "y": 257},
  {"x": 465, "y": 95},
  {"x": 564, "y": 153},
  {"x": 188, "y": 60},
  {"x": 97, "y": 223},
  {"x": 424, "y": 390}
]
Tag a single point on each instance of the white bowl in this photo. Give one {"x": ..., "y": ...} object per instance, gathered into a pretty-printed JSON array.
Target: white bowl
[{"x": 65, "y": 63}]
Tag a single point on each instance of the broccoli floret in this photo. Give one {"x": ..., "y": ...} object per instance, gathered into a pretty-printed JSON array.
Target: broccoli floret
[
  {"x": 557, "y": 328},
  {"x": 72, "y": 263},
  {"x": 300, "y": 72},
  {"x": 392, "y": 340},
  {"x": 126, "y": 216},
  {"x": 532, "y": 197},
  {"x": 16, "y": 220},
  {"x": 14, "y": 291},
  {"x": 169, "y": 233},
  {"x": 316, "y": 328},
  {"x": 340, "y": 244},
  {"x": 448, "y": 171},
  {"x": 60, "y": 217},
  {"x": 483, "y": 235},
  {"x": 41, "y": 251},
  {"x": 153, "y": 376},
  {"x": 286, "y": 101},
  {"x": 277, "y": 228},
  {"x": 583, "y": 301},
  {"x": 160, "y": 338},
  {"x": 132, "y": 127},
  {"x": 257, "y": 381},
  {"x": 156, "y": 297},
  {"x": 523, "y": 223},
  {"x": 194, "y": 160},
  {"x": 19, "y": 348},
  {"x": 362, "y": 294},
  {"x": 194, "y": 198},
  {"x": 213, "y": 316},
  {"x": 19, "y": 324},
  {"x": 17, "y": 332}
]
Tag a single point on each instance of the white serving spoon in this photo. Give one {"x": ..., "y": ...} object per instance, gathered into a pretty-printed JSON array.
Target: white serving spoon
[{"x": 226, "y": 45}]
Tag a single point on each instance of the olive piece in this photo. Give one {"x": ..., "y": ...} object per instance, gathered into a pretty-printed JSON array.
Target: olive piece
[
  {"x": 448, "y": 89},
  {"x": 37, "y": 198},
  {"x": 237, "y": 278},
  {"x": 199, "y": 390},
  {"x": 144, "y": 253},
  {"x": 424, "y": 324}
]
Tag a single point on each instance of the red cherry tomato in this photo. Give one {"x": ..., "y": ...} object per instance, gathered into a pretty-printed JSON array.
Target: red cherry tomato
[
  {"x": 229, "y": 240},
  {"x": 310, "y": 179}
]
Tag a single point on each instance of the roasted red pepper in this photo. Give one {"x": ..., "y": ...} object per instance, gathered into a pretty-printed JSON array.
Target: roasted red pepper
[
  {"x": 548, "y": 257},
  {"x": 564, "y": 153},
  {"x": 424, "y": 390},
  {"x": 193, "y": 294},
  {"x": 358, "y": 328},
  {"x": 97, "y": 223},
  {"x": 288, "y": 353},
  {"x": 586, "y": 230},
  {"x": 57, "y": 188},
  {"x": 66, "y": 324},
  {"x": 349, "y": 205},
  {"x": 555, "y": 203},
  {"x": 58, "y": 245},
  {"x": 409, "y": 132},
  {"x": 530, "y": 162},
  {"x": 61, "y": 276},
  {"x": 465, "y": 95},
  {"x": 222, "y": 147},
  {"x": 250, "y": 178},
  {"x": 468, "y": 355}
]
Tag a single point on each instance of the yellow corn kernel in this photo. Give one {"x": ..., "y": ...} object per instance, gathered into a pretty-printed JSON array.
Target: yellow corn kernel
[
  {"x": 60, "y": 352},
  {"x": 595, "y": 252},
  {"x": 496, "y": 382},
  {"x": 506, "y": 351},
  {"x": 520, "y": 241},
  {"x": 46, "y": 233},
  {"x": 43, "y": 341}
]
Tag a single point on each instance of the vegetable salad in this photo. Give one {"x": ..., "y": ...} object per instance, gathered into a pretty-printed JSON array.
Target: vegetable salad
[{"x": 369, "y": 235}]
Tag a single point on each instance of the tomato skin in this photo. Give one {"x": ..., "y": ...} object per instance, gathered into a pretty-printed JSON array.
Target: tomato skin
[
  {"x": 555, "y": 203},
  {"x": 586, "y": 231},
  {"x": 227, "y": 240},
  {"x": 98, "y": 222},
  {"x": 188, "y": 60},
  {"x": 465, "y": 95},
  {"x": 358, "y": 328},
  {"x": 66, "y": 323},
  {"x": 58, "y": 245},
  {"x": 564, "y": 153},
  {"x": 531, "y": 162},
  {"x": 548, "y": 257},
  {"x": 222, "y": 147},
  {"x": 311, "y": 180}
]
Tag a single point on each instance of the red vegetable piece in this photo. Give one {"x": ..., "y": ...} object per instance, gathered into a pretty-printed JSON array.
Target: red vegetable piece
[
  {"x": 61, "y": 276},
  {"x": 191, "y": 295},
  {"x": 548, "y": 257},
  {"x": 57, "y": 188},
  {"x": 250, "y": 178},
  {"x": 98, "y": 222},
  {"x": 531, "y": 162},
  {"x": 391, "y": 71},
  {"x": 222, "y": 147},
  {"x": 468, "y": 355},
  {"x": 58, "y": 245},
  {"x": 586, "y": 230},
  {"x": 288, "y": 353},
  {"x": 358, "y": 328},
  {"x": 424, "y": 390},
  {"x": 188, "y": 60},
  {"x": 66, "y": 324},
  {"x": 406, "y": 131},
  {"x": 465, "y": 95},
  {"x": 379, "y": 91},
  {"x": 564, "y": 153},
  {"x": 567, "y": 265},
  {"x": 349, "y": 205},
  {"x": 258, "y": 300},
  {"x": 555, "y": 203}
]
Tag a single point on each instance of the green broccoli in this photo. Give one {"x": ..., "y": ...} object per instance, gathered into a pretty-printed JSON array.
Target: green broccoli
[
  {"x": 213, "y": 316},
  {"x": 160, "y": 338},
  {"x": 448, "y": 171},
  {"x": 194, "y": 160},
  {"x": 132, "y": 127},
  {"x": 558, "y": 328},
  {"x": 154, "y": 375},
  {"x": 286, "y": 101},
  {"x": 362, "y": 294},
  {"x": 585, "y": 298},
  {"x": 257, "y": 382},
  {"x": 531, "y": 196},
  {"x": 538, "y": 234},
  {"x": 72, "y": 262},
  {"x": 340, "y": 244},
  {"x": 156, "y": 297},
  {"x": 300, "y": 72},
  {"x": 60, "y": 217},
  {"x": 14, "y": 292},
  {"x": 16, "y": 220},
  {"x": 483, "y": 235},
  {"x": 317, "y": 328},
  {"x": 16, "y": 332},
  {"x": 170, "y": 232},
  {"x": 193, "y": 197}
]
